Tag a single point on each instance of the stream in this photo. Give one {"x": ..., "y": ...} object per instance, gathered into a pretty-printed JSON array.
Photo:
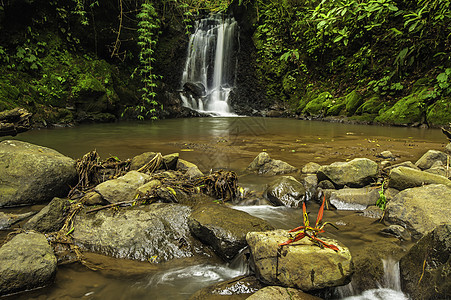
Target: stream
[{"x": 223, "y": 143}]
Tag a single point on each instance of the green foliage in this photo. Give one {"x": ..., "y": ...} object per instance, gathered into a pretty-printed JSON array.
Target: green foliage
[{"x": 382, "y": 201}]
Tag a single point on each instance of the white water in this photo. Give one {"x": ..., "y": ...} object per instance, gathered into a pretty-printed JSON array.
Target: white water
[
  {"x": 389, "y": 288},
  {"x": 210, "y": 65}
]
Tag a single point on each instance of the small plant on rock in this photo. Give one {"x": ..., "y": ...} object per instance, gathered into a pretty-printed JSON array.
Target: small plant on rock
[{"x": 311, "y": 232}]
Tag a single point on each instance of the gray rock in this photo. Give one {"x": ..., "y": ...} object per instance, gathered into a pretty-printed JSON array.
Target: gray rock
[
  {"x": 407, "y": 164},
  {"x": 93, "y": 198},
  {"x": 148, "y": 187},
  {"x": 326, "y": 185},
  {"x": 438, "y": 168},
  {"x": 429, "y": 158},
  {"x": 304, "y": 266},
  {"x": 26, "y": 262},
  {"x": 311, "y": 168},
  {"x": 193, "y": 172},
  {"x": 420, "y": 209},
  {"x": 7, "y": 220},
  {"x": 51, "y": 218},
  {"x": 263, "y": 164},
  {"x": 158, "y": 232},
  {"x": 425, "y": 268},
  {"x": 355, "y": 173},
  {"x": 281, "y": 293},
  {"x": 223, "y": 228},
  {"x": 402, "y": 178},
  {"x": 354, "y": 199},
  {"x": 140, "y": 160},
  {"x": 286, "y": 191},
  {"x": 31, "y": 174},
  {"x": 372, "y": 212},
  {"x": 397, "y": 231},
  {"x": 122, "y": 188},
  {"x": 184, "y": 165},
  {"x": 386, "y": 155},
  {"x": 239, "y": 287},
  {"x": 310, "y": 184}
]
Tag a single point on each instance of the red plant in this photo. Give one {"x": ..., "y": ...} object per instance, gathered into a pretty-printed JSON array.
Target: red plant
[{"x": 309, "y": 231}]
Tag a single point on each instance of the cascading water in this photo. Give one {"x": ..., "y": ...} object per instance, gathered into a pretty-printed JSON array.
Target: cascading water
[{"x": 209, "y": 72}]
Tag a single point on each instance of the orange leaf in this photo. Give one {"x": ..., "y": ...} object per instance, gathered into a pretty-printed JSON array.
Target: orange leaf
[{"x": 320, "y": 212}]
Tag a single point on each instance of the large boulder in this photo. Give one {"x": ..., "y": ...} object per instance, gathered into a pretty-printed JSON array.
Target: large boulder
[
  {"x": 281, "y": 293},
  {"x": 223, "y": 228},
  {"x": 429, "y": 158},
  {"x": 355, "y": 173},
  {"x": 420, "y": 209},
  {"x": 263, "y": 164},
  {"x": 158, "y": 232},
  {"x": 425, "y": 268},
  {"x": 301, "y": 265},
  {"x": 354, "y": 198},
  {"x": 403, "y": 178},
  {"x": 26, "y": 262},
  {"x": 31, "y": 174},
  {"x": 286, "y": 191},
  {"x": 51, "y": 218},
  {"x": 122, "y": 188}
]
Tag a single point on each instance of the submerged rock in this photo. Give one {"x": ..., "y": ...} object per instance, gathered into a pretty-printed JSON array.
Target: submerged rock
[
  {"x": 239, "y": 287},
  {"x": 355, "y": 173},
  {"x": 223, "y": 228},
  {"x": 122, "y": 188},
  {"x": 286, "y": 191},
  {"x": 263, "y": 164},
  {"x": 425, "y": 268},
  {"x": 301, "y": 265},
  {"x": 26, "y": 262},
  {"x": 281, "y": 293},
  {"x": 7, "y": 220},
  {"x": 51, "y": 218},
  {"x": 354, "y": 199},
  {"x": 403, "y": 178},
  {"x": 420, "y": 209},
  {"x": 31, "y": 174},
  {"x": 156, "y": 232}
]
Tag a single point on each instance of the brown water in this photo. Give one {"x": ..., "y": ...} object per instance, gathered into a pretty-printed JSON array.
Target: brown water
[{"x": 213, "y": 143}]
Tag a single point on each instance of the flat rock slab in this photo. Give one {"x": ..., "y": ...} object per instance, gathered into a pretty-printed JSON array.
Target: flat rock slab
[
  {"x": 420, "y": 209},
  {"x": 26, "y": 262},
  {"x": 158, "y": 232},
  {"x": 302, "y": 265},
  {"x": 31, "y": 174},
  {"x": 402, "y": 178},
  {"x": 224, "y": 228}
]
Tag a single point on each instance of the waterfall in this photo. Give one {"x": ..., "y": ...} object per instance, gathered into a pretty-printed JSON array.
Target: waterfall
[
  {"x": 209, "y": 72},
  {"x": 389, "y": 288}
]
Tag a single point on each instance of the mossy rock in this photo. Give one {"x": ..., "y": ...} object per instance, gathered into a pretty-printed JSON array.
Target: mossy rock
[
  {"x": 336, "y": 107},
  {"x": 315, "y": 107},
  {"x": 353, "y": 102},
  {"x": 420, "y": 85},
  {"x": 370, "y": 106},
  {"x": 440, "y": 112},
  {"x": 408, "y": 110}
]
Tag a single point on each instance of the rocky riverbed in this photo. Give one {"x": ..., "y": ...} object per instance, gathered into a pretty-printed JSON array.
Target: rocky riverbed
[{"x": 159, "y": 208}]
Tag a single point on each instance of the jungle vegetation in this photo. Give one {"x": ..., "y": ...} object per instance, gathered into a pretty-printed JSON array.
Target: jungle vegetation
[{"x": 372, "y": 60}]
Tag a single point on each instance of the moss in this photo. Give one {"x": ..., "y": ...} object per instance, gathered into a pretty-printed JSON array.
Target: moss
[
  {"x": 371, "y": 106},
  {"x": 317, "y": 105},
  {"x": 336, "y": 106},
  {"x": 353, "y": 101},
  {"x": 408, "y": 110},
  {"x": 440, "y": 112}
]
